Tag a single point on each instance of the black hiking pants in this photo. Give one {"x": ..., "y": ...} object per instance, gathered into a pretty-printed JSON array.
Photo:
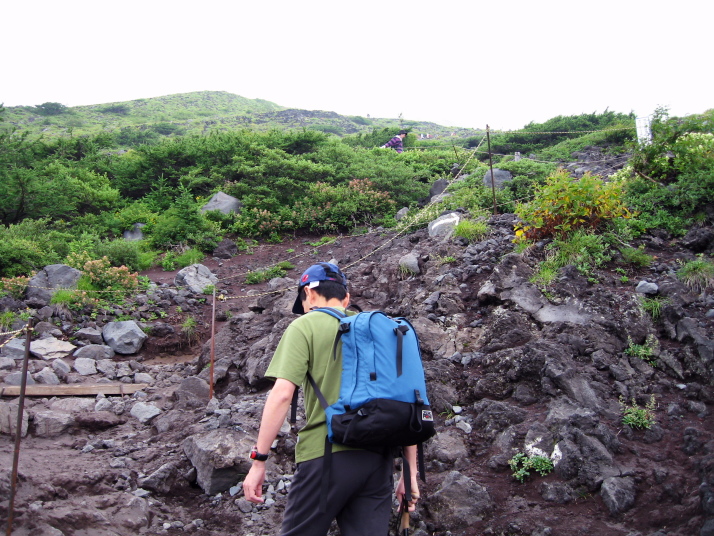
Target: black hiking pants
[{"x": 359, "y": 496}]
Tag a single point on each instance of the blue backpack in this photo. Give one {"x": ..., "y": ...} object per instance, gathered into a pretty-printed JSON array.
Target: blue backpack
[{"x": 383, "y": 400}]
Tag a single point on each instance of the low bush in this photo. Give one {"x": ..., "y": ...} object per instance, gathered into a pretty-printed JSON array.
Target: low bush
[
  {"x": 697, "y": 274},
  {"x": 635, "y": 416},
  {"x": 521, "y": 464},
  {"x": 565, "y": 205}
]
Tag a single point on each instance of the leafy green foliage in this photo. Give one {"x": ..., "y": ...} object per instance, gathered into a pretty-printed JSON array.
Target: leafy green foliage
[
  {"x": 564, "y": 205},
  {"x": 472, "y": 230},
  {"x": 635, "y": 416},
  {"x": 671, "y": 180},
  {"x": 647, "y": 351},
  {"x": 653, "y": 305},
  {"x": 697, "y": 274},
  {"x": 183, "y": 224},
  {"x": 260, "y": 276},
  {"x": 521, "y": 464},
  {"x": 534, "y": 137},
  {"x": 636, "y": 256},
  {"x": 14, "y": 286},
  {"x": 583, "y": 250},
  {"x": 50, "y": 108}
]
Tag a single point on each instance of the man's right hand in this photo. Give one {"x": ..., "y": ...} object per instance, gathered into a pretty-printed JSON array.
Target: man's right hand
[{"x": 253, "y": 483}]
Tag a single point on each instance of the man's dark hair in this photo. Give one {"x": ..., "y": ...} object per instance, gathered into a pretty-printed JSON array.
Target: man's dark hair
[
  {"x": 403, "y": 132},
  {"x": 328, "y": 290}
]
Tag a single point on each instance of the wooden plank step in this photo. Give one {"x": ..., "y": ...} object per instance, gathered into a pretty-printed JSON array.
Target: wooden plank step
[{"x": 74, "y": 389}]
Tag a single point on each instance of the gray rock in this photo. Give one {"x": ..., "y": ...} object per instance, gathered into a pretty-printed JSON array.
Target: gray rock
[
  {"x": 7, "y": 363},
  {"x": 192, "y": 393},
  {"x": 645, "y": 287},
  {"x": 8, "y": 419},
  {"x": 124, "y": 337},
  {"x": 618, "y": 494},
  {"x": 443, "y": 226},
  {"x": 14, "y": 349},
  {"x": 144, "y": 412},
  {"x": 15, "y": 378},
  {"x": 47, "y": 281},
  {"x": 196, "y": 277},
  {"x": 409, "y": 263},
  {"x": 224, "y": 203},
  {"x": 225, "y": 249},
  {"x": 85, "y": 366},
  {"x": 143, "y": 377},
  {"x": 500, "y": 177},
  {"x": 51, "y": 423},
  {"x": 161, "y": 480},
  {"x": 51, "y": 348},
  {"x": 135, "y": 233},
  {"x": 47, "y": 376},
  {"x": 219, "y": 457},
  {"x": 96, "y": 352},
  {"x": 459, "y": 502},
  {"x": 107, "y": 367},
  {"x": 401, "y": 214},
  {"x": 92, "y": 335}
]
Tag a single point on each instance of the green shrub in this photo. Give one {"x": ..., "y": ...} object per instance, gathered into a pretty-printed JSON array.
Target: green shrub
[
  {"x": 522, "y": 465},
  {"x": 645, "y": 351},
  {"x": 653, "y": 305},
  {"x": 697, "y": 274},
  {"x": 15, "y": 286},
  {"x": 183, "y": 224},
  {"x": 634, "y": 416},
  {"x": 168, "y": 263},
  {"x": 472, "y": 230},
  {"x": 260, "y": 276},
  {"x": 189, "y": 257},
  {"x": 636, "y": 256},
  {"x": 583, "y": 250},
  {"x": 565, "y": 205},
  {"x": 7, "y": 319}
]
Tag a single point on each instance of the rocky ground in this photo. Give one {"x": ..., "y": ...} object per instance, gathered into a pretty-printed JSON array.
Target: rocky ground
[{"x": 510, "y": 369}]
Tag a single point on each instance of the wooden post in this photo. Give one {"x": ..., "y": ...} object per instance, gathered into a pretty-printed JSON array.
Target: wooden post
[
  {"x": 213, "y": 344},
  {"x": 18, "y": 428},
  {"x": 490, "y": 165}
]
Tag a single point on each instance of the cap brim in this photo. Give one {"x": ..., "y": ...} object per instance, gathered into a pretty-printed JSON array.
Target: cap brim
[{"x": 297, "y": 306}]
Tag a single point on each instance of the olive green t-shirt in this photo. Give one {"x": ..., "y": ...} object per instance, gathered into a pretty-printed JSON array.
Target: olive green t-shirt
[{"x": 307, "y": 345}]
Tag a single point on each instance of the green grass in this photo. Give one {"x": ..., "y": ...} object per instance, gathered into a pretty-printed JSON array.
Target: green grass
[{"x": 697, "y": 274}]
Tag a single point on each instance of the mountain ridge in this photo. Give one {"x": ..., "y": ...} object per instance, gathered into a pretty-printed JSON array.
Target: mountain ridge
[{"x": 201, "y": 112}]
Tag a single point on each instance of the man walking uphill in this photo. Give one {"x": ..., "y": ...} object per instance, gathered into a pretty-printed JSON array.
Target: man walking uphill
[
  {"x": 396, "y": 142},
  {"x": 359, "y": 489}
]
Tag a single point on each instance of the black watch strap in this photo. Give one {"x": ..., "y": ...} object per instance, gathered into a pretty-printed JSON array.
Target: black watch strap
[{"x": 255, "y": 455}]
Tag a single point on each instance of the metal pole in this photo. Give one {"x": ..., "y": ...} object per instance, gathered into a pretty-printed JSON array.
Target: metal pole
[
  {"x": 213, "y": 343},
  {"x": 490, "y": 165},
  {"x": 18, "y": 428}
]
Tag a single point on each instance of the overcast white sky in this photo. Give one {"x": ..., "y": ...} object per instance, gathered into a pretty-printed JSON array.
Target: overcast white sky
[{"x": 454, "y": 62}]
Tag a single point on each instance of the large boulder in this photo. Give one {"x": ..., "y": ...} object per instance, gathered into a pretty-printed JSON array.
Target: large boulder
[
  {"x": 196, "y": 277},
  {"x": 500, "y": 177},
  {"x": 47, "y": 281},
  {"x": 124, "y": 337},
  {"x": 223, "y": 203},
  {"x": 220, "y": 458}
]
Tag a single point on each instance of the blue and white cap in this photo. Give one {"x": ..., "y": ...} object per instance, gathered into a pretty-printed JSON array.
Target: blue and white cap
[{"x": 323, "y": 271}]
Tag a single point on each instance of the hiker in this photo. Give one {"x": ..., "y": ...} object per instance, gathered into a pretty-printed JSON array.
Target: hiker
[
  {"x": 359, "y": 492},
  {"x": 396, "y": 142}
]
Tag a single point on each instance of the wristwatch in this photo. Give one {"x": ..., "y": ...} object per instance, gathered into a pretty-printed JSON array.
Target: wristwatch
[{"x": 255, "y": 455}]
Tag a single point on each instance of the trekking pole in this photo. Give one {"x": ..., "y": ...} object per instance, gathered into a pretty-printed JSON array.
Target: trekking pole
[{"x": 404, "y": 522}]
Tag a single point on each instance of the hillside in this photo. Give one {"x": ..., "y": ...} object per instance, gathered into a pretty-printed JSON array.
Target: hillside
[
  {"x": 197, "y": 113},
  {"x": 510, "y": 369}
]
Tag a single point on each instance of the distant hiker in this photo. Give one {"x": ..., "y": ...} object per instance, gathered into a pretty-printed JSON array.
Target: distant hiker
[
  {"x": 396, "y": 142},
  {"x": 358, "y": 492}
]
